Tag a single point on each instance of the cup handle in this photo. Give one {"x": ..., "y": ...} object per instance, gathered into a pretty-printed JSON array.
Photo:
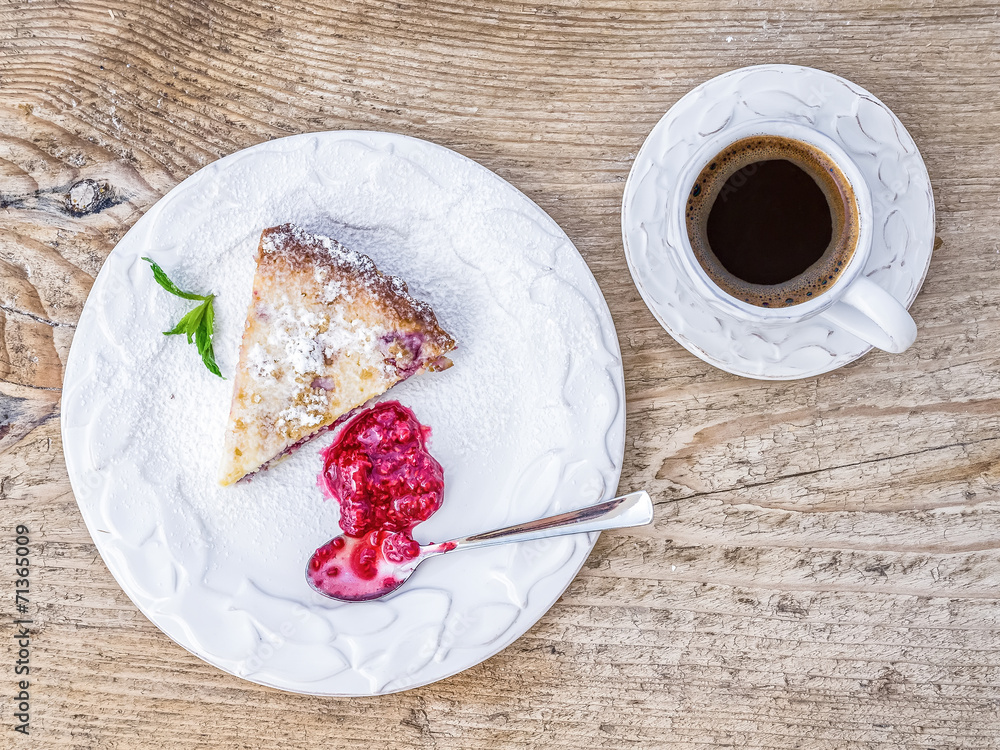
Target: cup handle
[{"x": 872, "y": 314}]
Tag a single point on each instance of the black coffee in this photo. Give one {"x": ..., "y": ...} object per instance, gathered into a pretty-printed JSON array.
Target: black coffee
[{"x": 772, "y": 220}]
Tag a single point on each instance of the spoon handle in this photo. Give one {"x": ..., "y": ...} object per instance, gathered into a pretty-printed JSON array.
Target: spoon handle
[{"x": 634, "y": 509}]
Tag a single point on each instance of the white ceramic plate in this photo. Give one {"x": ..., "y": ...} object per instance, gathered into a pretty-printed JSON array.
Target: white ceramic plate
[
  {"x": 529, "y": 421},
  {"x": 866, "y": 129}
]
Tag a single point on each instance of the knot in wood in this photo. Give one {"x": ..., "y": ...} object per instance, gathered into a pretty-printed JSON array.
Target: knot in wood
[{"x": 88, "y": 197}]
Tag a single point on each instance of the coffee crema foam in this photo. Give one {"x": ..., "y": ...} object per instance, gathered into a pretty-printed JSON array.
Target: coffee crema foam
[{"x": 817, "y": 277}]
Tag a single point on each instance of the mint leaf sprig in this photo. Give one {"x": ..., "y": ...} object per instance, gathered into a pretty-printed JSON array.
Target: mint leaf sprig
[{"x": 198, "y": 324}]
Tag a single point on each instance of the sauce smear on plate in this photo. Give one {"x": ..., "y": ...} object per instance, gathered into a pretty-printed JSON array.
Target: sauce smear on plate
[{"x": 386, "y": 482}]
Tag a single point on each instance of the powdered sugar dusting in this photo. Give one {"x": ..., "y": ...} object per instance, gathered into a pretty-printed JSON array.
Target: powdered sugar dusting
[
  {"x": 289, "y": 233},
  {"x": 306, "y": 338}
]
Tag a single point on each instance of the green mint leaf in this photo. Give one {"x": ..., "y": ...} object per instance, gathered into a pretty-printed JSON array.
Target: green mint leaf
[
  {"x": 209, "y": 359},
  {"x": 210, "y": 317},
  {"x": 163, "y": 280},
  {"x": 203, "y": 338},
  {"x": 189, "y": 323},
  {"x": 198, "y": 324}
]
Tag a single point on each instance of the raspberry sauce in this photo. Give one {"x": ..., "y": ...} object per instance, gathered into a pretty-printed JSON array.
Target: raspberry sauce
[{"x": 386, "y": 482}]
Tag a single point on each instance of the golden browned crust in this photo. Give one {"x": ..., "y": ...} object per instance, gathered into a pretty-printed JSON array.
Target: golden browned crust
[{"x": 298, "y": 248}]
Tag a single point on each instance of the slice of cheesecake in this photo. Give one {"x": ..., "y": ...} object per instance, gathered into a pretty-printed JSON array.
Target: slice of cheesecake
[{"x": 325, "y": 332}]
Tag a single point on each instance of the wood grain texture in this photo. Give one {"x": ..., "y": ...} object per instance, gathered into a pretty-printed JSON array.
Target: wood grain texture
[{"x": 823, "y": 570}]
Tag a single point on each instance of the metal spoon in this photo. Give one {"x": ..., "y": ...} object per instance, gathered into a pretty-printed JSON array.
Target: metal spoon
[{"x": 355, "y": 569}]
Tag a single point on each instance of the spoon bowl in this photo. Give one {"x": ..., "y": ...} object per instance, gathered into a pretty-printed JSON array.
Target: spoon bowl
[{"x": 357, "y": 569}]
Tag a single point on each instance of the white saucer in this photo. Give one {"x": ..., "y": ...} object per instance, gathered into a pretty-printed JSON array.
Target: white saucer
[{"x": 843, "y": 111}]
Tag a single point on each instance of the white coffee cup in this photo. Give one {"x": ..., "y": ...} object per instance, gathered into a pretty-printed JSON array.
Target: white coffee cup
[{"x": 852, "y": 302}]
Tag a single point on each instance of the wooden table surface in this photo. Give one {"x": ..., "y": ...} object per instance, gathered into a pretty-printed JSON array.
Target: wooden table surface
[{"x": 823, "y": 568}]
